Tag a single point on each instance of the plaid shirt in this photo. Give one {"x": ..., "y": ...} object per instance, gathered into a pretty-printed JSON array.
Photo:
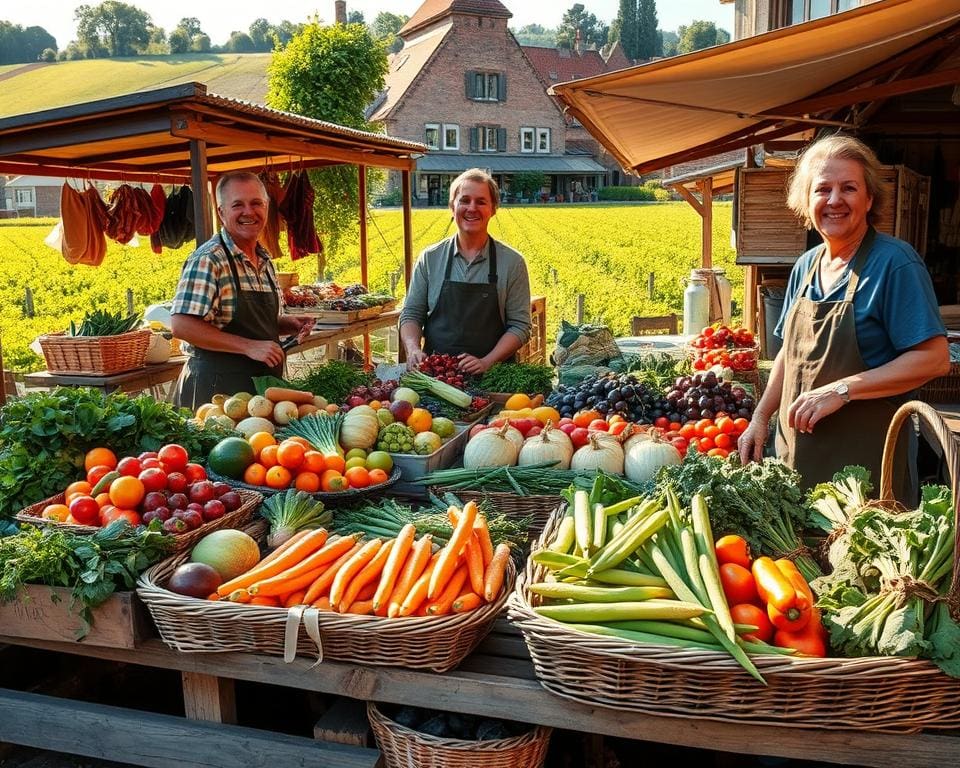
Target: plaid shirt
[{"x": 206, "y": 288}]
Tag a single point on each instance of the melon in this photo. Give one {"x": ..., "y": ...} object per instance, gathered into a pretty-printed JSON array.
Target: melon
[
  {"x": 228, "y": 551},
  {"x": 230, "y": 457},
  {"x": 253, "y": 424}
]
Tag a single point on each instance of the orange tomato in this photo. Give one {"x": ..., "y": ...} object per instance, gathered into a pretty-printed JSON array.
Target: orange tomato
[
  {"x": 307, "y": 446},
  {"x": 102, "y": 499},
  {"x": 358, "y": 477},
  {"x": 115, "y": 513},
  {"x": 583, "y": 418},
  {"x": 740, "y": 425},
  {"x": 616, "y": 418},
  {"x": 307, "y": 481},
  {"x": 725, "y": 424},
  {"x": 255, "y": 474},
  {"x": 700, "y": 427},
  {"x": 127, "y": 492},
  {"x": 290, "y": 454},
  {"x": 335, "y": 462},
  {"x": 268, "y": 456},
  {"x": 378, "y": 476},
  {"x": 687, "y": 431},
  {"x": 260, "y": 440},
  {"x": 95, "y": 473},
  {"x": 331, "y": 480},
  {"x": 618, "y": 427},
  {"x": 420, "y": 420},
  {"x": 57, "y": 512},
  {"x": 712, "y": 431},
  {"x": 375, "y": 404},
  {"x": 81, "y": 486},
  {"x": 733, "y": 549},
  {"x": 723, "y": 440},
  {"x": 278, "y": 477},
  {"x": 313, "y": 461},
  {"x": 705, "y": 445},
  {"x": 720, "y": 453},
  {"x": 97, "y": 456}
]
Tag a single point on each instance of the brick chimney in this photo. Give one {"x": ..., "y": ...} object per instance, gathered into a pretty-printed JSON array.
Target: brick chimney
[
  {"x": 577, "y": 43},
  {"x": 340, "y": 11}
]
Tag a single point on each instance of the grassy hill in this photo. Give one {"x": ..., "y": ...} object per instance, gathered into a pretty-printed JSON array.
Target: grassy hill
[{"x": 239, "y": 76}]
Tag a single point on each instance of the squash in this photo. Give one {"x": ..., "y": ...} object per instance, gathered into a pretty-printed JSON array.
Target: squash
[
  {"x": 645, "y": 455},
  {"x": 158, "y": 349},
  {"x": 603, "y": 451},
  {"x": 491, "y": 448},
  {"x": 550, "y": 445},
  {"x": 360, "y": 428}
]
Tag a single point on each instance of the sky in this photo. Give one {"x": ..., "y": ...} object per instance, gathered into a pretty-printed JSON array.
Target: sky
[{"x": 218, "y": 19}]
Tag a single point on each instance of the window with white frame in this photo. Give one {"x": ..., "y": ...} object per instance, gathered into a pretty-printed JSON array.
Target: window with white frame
[
  {"x": 23, "y": 196},
  {"x": 527, "y": 139},
  {"x": 451, "y": 136},
  {"x": 543, "y": 139},
  {"x": 487, "y": 138},
  {"x": 431, "y": 135},
  {"x": 805, "y": 10}
]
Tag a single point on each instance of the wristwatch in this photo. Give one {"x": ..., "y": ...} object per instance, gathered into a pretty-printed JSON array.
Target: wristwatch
[{"x": 843, "y": 390}]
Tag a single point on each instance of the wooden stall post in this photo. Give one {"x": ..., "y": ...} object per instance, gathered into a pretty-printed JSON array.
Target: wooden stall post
[
  {"x": 407, "y": 245},
  {"x": 198, "y": 180},
  {"x": 362, "y": 196}
]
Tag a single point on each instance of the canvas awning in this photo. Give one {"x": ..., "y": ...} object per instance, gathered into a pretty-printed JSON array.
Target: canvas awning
[{"x": 769, "y": 86}]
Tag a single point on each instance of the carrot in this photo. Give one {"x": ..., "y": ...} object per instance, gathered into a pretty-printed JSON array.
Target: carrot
[
  {"x": 271, "y": 601},
  {"x": 271, "y": 566},
  {"x": 321, "y": 586},
  {"x": 322, "y": 604},
  {"x": 449, "y": 554},
  {"x": 294, "y": 598},
  {"x": 351, "y": 568},
  {"x": 284, "y": 584},
  {"x": 279, "y": 550},
  {"x": 279, "y": 394},
  {"x": 360, "y": 607},
  {"x": 467, "y": 601},
  {"x": 474, "y": 560},
  {"x": 481, "y": 529},
  {"x": 213, "y": 596},
  {"x": 493, "y": 578},
  {"x": 393, "y": 566},
  {"x": 444, "y": 603},
  {"x": 418, "y": 592},
  {"x": 322, "y": 557},
  {"x": 368, "y": 575},
  {"x": 239, "y": 596},
  {"x": 419, "y": 556}
]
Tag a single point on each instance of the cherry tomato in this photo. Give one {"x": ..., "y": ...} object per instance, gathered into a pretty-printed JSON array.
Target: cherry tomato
[
  {"x": 733, "y": 549},
  {"x": 747, "y": 613}
]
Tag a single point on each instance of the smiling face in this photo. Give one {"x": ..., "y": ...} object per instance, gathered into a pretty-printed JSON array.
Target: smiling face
[
  {"x": 473, "y": 208},
  {"x": 839, "y": 201},
  {"x": 243, "y": 210}
]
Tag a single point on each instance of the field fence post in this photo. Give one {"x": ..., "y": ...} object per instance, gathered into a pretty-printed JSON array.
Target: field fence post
[
  {"x": 394, "y": 279},
  {"x": 129, "y": 301},
  {"x": 553, "y": 274},
  {"x": 581, "y": 298},
  {"x": 28, "y": 301},
  {"x": 650, "y": 280}
]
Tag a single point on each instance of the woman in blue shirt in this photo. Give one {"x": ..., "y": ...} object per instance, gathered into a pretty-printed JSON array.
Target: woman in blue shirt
[{"x": 860, "y": 325}]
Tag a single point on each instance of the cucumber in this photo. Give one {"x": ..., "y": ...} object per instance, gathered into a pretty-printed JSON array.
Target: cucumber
[{"x": 103, "y": 484}]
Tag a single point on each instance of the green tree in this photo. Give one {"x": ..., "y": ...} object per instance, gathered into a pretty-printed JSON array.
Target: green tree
[
  {"x": 260, "y": 34},
  {"x": 330, "y": 73},
  {"x": 592, "y": 31},
  {"x": 699, "y": 35},
  {"x": 626, "y": 28},
  {"x": 19, "y": 45},
  {"x": 179, "y": 42},
  {"x": 285, "y": 31},
  {"x": 355, "y": 17},
  {"x": 647, "y": 36},
  {"x": 200, "y": 43},
  {"x": 386, "y": 27},
  {"x": 240, "y": 42},
  {"x": 536, "y": 34},
  {"x": 112, "y": 27},
  {"x": 668, "y": 41},
  {"x": 190, "y": 26}
]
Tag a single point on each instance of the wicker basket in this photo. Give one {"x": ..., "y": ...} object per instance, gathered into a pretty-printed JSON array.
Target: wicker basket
[
  {"x": 537, "y": 508},
  {"x": 943, "y": 389},
  {"x": 406, "y": 748},
  {"x": 95, "y": 355},
  {"x": 438, "y": 643},
  {"x": 890, "y": 694},
  {"x": 236, "y": 519}
]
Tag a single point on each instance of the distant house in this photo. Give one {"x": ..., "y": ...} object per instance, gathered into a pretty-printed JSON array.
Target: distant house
[
  {"x": 464, "y": 86},
  {"x": 754, "y": 17},
  {"x": 31, "y": 196}
]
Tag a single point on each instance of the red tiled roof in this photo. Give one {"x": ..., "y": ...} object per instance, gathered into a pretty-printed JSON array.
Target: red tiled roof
[
  {"x": 617, "y": 59},
  {"x": 556, "y": 65},
  {"x": 432, "y": 10}
]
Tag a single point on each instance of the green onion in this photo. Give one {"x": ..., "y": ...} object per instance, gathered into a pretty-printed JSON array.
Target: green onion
[
  {"x": 423, "y": 384},
  {"x": 290, "y": 512},
  {"x": 321, "y": 430}
]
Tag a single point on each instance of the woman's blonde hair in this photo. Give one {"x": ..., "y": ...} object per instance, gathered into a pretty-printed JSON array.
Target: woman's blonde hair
[
  {"x": 481, "y": 177},
  {"x": 836, "y": 147}
]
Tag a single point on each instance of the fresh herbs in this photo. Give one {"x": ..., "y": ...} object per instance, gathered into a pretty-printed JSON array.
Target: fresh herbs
[
  {"x": 92, "y": 567},
  {"x": 332, "y": 380},
  {"x": 656, "y": 371},
  {"x": 292, "y": 511},
  {"x": 517, "y": 377},
  {"x": 100, "y": 323}
]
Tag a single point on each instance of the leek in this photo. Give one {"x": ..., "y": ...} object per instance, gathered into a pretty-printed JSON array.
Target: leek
[{"x": 427, "y": 385}]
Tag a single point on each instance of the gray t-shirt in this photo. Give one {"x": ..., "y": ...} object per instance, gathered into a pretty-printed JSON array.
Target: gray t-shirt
[{"x": 513, "y": 283}]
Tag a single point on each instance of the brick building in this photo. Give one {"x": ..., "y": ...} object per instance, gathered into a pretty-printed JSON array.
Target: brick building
[
  {"x": 31, "y": 196},
  {"x": 464, "y": 86}
]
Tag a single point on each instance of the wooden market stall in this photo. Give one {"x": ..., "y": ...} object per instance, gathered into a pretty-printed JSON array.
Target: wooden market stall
[{"x": 184, "y": 135}]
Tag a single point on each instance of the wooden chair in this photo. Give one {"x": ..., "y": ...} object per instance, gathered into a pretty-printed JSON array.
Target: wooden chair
[{"x": 647, "y": 326}]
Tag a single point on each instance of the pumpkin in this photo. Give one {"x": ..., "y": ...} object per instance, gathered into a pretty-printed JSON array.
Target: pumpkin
[
  {"x": 491, "y": 448},
  {"x": 550, "y": 445},
  {"x": 158, "y": 349},
  {"x": 360, "y": 428},
  {"x": 645, "y": 455},
  {"x": 602, "y": 451}
]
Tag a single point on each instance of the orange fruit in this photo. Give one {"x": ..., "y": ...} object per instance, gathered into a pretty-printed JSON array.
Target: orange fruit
[
  {"x": 307, "y": 481},
  {"x": 95, "y": 473},
  {"x": 268, "y": 456},
  {"x": 375, "y": 404},
  {"x": 102, "y": 499},
  {"x": 301, "y": 440},
  {"x": 331, "y": 480},
  {"x": 335, "y": 462},
  {"x": 260, "y": 440},
  {"x": 58, "y": 512},
  {"x": 127, "y": 492},
  {"x": 313, "y": 461},
  {"x": 358, "y": 477},
  {"x": 420, "y": 420},
  {"x": 255, "y": 474},
  {"x": 278, "y": 477},
  {"x": 290, "y": 454},
  {"x": 97, "y": 456},
  {"x": 378, "y": 476},
  {"x": 81, "y": 486}
]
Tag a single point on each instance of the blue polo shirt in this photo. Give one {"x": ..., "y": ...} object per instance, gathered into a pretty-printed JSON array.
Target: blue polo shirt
[{"x": 894, "y": 306}]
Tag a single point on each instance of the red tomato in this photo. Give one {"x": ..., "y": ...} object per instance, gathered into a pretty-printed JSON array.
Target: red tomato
[
  {"x": 174, "y": 456},
  {"x": 746, "y": 613},
  {"x": 662, "y": 422},
  {"x": 723, "y": 441},
  {"x": 85, "y": 510},
  {"x": 738, "y": 584},
  {"x": 195, "y": 473},
  {"x": 147, "y": 455},
  {"x": 617, "y": 428},
  {"x": 579, "y": 436},
  {"x": 598, "y": 425},
  {"x": 688, "y": 431},
  {"x": 96, "y": 473},
  {"x": 177, "y": 482},
  {"x": 566, "y": 428},
  {"x": 680, "y": 444},
  {"x": 733, "y": 549},
  {"x": 153, "y": 479},
  {"x": 151, "y": 463},
  {"x": 115, "y": 513},
  {"x": 130, "y": 466}
]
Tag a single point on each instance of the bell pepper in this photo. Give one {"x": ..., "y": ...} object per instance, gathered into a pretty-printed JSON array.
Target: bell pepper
[
  {"x": 774, "y": 587},
  {"x": 789, "y": 569},
  {"x": 791, "y": 620},
  {"x": 811, "y": 640}
]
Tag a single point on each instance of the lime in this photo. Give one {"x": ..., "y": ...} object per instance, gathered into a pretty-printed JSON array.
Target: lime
[
  {"x": 356, "y": 461},
  {"x": 356, "y": 453},
  {"x": 380, "y": 460}
]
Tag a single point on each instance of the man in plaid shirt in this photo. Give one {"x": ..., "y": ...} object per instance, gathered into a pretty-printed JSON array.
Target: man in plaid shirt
[{"x": 227, "y": 304}]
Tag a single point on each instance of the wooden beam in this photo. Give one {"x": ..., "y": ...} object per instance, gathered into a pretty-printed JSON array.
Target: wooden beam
[
  {"x": 189, "y": 127},
  {"x": 687, "y": 195},
  {"x": 206, "y": 697},
  {"x": 201, "y": 200},
  {"x": 706, "y": 224},
  {"x": 93, "y": 173},
  {"x": 70, "y": 135},
  {"x": 407, "y": 230},
  {"x": 362, "y": 204},
  {"x": 160, "y": 741}
]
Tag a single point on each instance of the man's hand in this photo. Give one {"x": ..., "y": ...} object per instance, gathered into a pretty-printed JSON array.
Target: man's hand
[
  {"x": 751, "y": 442},
  {"x": 810, "y": 407},
  {"x": 472, "y": 365},
  {"x": 306, "y": 327},
  {"x": 415, "y": 358},
  {"x": 268, "y": 352}
]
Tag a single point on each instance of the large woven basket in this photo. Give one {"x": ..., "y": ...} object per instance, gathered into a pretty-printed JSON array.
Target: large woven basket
[
  {"x": 417, "y": 642},
  {"x": 236, "y": 519},
  {"x": 889, "y": 694},
  {"x": 537, "y": 508},
  {"x": 943, "y": 389},
  {"x": 95, "y": 355},
  {"x": 406, "y": 748}
]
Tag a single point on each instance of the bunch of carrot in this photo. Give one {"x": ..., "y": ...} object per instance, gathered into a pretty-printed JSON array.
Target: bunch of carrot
[{"x": 402, "y": 576}]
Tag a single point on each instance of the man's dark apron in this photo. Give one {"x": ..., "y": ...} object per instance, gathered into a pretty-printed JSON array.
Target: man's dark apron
[
  {"x": 255, "y": 316},
  {"x": 467, "y": 315},
  {"x": 820, "y": 347}
]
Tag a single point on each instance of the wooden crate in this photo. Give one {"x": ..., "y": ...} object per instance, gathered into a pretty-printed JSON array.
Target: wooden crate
[
  {"x": 535, "y": 350},
  {"x": 44, "y": 613}
]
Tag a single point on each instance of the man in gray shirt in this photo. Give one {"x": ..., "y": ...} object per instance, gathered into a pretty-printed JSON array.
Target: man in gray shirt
[{"x": 470, "y": 295}]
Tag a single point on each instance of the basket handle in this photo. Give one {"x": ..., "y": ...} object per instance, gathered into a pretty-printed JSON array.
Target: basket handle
[{"x": 951, "y": 453}]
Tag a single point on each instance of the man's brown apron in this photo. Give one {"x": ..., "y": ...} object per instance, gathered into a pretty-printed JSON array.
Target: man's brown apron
[{"x": 819, "y": 348}]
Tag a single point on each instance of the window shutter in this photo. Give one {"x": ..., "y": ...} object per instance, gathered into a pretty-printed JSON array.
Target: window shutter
[
  {"x": 470, "y": 83},
  {"x": 502, "y": 90},
  {"x": 501, "y": 139},
  {"x": 474, "y": 139}
]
